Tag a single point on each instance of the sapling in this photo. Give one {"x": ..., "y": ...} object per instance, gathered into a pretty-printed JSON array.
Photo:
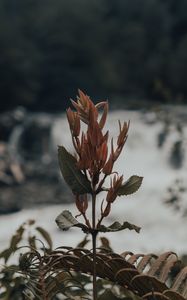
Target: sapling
[{"x": 87, "y": 170}]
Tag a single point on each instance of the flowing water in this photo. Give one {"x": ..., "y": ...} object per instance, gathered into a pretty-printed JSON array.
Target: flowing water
[{"x": 163, "y": 227}]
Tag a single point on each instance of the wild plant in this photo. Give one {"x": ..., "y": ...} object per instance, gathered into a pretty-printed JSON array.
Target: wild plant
[
  {"x": 86, "y": 172},
  {"x": 63, "y": 273}
]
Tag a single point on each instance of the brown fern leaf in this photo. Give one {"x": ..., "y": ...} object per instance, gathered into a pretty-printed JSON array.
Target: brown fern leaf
[
  {"x": 134, "y": 258},
  {"x": 126, "y": 253},
  {"x": 145, "y": 262},
  {"x": 163, "y": 265},
  {"x": 172, "y": 295},
  {"x": 104, "y": 270},
  {"x": 54, "y": 284},
  {"x": 168, "y": 267},
  {"x": 144, "y": 275},
  {"x": 125, "y": 276},
  {"x": 146, "y": 283},
  {"x": 180, "y": 283},
  {"x": 155, "y": 296}
]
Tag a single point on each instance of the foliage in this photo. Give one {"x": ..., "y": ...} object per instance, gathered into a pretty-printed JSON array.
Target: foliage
[
  {"x": 145, "y": 275},
  {"x": 64, "y": 273},
  {"x": 13, "y": 284},
  {"x": 36, "y": 274},
  {"x": 87, "y": 171},
  {"x": 72, "y": 175}
]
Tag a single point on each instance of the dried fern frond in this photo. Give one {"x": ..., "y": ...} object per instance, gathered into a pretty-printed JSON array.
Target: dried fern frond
[{"x": 144, "y": 275}]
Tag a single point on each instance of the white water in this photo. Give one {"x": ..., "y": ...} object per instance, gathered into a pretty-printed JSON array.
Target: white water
[{"x": 163, "y": 228}]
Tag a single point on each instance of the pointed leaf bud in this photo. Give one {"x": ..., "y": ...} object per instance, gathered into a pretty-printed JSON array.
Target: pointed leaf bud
[
  {"x": 122, "y": 134},
  {"x": 107, "y": 170},
  {"x": 74, "y": 122},
  {"x": 104, "y": 115},
  {"x": 82, "y": 203},
  {"x": 114, "y": 187},
  {"x": 107, "y": 210}
]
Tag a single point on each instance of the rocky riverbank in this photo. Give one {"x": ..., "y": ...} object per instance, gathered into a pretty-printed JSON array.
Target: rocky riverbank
[{"x": 29, "y": 173}]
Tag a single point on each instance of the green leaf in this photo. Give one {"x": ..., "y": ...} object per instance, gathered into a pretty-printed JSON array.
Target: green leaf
[
  {"x": 130, "y": 186},
  {"x": 17, "y": 237},
  {"x": 6, "y": 254},
  {"x": 32, "y": 242},
  {"x": 65, "y": 221},
  {"x": 15, "y": 240},
  {"x": 83, "y": 243},
  {"x": 76, "y": 180},
  {"x": 116, "y": 226},
  {"x": 105, "y": 244},
  {"x": 46, "y": 236}
]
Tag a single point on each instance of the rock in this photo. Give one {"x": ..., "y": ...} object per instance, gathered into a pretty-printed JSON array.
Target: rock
[
  {"x": 31, "y": 193},
  {"x": 9, "y": 120},
  {"x": 8, "y": 203},
  {"x": 10, "y": 169},
  {"x": 29, "y": 172}
]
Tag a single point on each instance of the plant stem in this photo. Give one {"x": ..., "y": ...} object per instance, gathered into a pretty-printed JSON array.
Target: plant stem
[
  {"x": 42, "y": 283},
  {"x": 94, "y": 237}
]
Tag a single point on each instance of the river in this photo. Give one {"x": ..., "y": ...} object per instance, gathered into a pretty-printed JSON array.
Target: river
[{"x": 163, "y": 227}]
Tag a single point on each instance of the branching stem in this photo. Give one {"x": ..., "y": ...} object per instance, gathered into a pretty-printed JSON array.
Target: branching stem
[{"x": 101, "y": 184}]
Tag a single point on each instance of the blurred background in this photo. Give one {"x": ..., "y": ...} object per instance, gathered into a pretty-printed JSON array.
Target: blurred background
[
  {"x": 133, "y": 50},
  {"x": 133, "y": 53}
]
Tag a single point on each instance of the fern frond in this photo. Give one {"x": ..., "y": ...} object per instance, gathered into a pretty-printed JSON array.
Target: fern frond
[{"x": 144, "y": 275}]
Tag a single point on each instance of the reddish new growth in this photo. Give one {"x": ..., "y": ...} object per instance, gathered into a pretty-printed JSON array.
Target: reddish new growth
[{"x": 93, "y": 156}]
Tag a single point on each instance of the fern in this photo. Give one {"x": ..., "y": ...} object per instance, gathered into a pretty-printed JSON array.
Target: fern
[{"x": 146, "y": 276}]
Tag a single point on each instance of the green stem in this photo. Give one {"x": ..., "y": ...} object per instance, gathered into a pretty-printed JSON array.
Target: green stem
[{"x": 94, "y": 237}]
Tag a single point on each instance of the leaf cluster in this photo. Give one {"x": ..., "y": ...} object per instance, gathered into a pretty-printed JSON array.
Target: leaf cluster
[
  {"x": 78, "y": 182},
  {"x": 65, "y": 221},
  {"x": 135, "y": 276},
  {"x": 27, "y": 236},
  {"x": 64, "y": 273},
  {"x": 36, "y": 274}
]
